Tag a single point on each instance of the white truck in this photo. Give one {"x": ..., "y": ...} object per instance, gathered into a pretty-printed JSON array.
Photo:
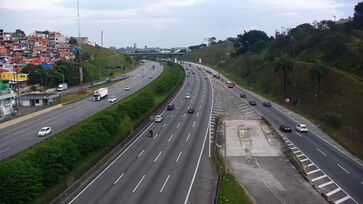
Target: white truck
[
  {"x": 62, "y": 87},
  {"x": 100, "y": 94}
]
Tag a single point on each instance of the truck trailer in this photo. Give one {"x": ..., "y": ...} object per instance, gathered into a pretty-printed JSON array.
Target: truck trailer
[{"x": 100, "y": 94}]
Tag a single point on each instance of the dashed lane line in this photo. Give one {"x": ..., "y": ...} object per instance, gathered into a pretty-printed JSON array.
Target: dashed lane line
[
  {"x": 321, "y": 151},
  {"x": 343, "y": 169},
  {"x": 166, "y": 180},
  {"x": 157, "y": 157},
  {"x": 193, "y": 123},
  {"x": 138, "y": 184},
  {"x": 170, "y": 137},
  {"x": 187, "y": 138},
  {"x": 119, "y": 178},
  {"x": 140, "y": 153},
  {"x": 178, "y": 157}
]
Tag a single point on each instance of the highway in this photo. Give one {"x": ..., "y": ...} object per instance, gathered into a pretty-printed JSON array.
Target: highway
[
  {"x": 343, "y": 169},
  {"x": 18, "y": 137},
  {"x": 159, "y": 169}
]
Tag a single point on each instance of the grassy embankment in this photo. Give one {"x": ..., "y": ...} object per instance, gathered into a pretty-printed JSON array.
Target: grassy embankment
[
  {"x": 337, "y": 110},
  {"x": 40, "y": 173}
]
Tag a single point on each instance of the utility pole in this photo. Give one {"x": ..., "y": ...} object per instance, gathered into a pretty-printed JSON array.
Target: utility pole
[{"x": 81, "y": 89}]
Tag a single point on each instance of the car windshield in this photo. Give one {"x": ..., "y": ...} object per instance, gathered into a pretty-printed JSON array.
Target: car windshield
[{"x": 43, "y": 129}]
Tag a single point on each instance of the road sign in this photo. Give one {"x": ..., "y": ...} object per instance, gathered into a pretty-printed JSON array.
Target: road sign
[{"x": 287, "y": 100}]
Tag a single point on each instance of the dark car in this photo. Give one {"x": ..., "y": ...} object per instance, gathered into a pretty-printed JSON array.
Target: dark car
[
  {"x": 266, "y": 104},
  {"x": 170, "y": 107},
  {"x": 285, "y": 128},
  {"x": 191, "y": 110},
  {"x": 242, "y": 95},
  {"x": 252, "y": 103}
]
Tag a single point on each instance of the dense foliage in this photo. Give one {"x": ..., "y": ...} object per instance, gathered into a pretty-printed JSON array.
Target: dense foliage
[{"x": 41, "y": 167}]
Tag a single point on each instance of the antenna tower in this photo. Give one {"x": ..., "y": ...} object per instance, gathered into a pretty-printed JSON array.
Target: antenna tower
[{"x": 81, "y": 88}]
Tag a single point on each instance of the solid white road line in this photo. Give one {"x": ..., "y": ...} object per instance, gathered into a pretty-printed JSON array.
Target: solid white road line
[
  {"x": 155, "y": 136},
  {"x": 343, "y": 169},
  {"x": 334, "y": 191},
  {"x": 193, "y": 123},
  {"x": 157, "y": 157},
  {"x": 325, "y": 184},
  {"x": 166, "y": 180},
  {"x": 170, "y": 137},
  {"x": 187, "y": 137},
  {"x": 138, "y": 183},
  {"x": 318, "y": 178},
  {"x": 140, "y": 153},
  {"x": 178, "y": 157},
  {"x": 321, "y": 151},
  {"x": 178, "y": 125},
  {"x": 118, "y": 178}
]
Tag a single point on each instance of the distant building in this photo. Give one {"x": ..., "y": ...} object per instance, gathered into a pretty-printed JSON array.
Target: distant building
[
  {"x": 39, "y": 99},
  {"x": 6, "y": 100}
]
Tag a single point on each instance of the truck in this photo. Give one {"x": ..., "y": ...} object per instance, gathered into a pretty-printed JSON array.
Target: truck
[
  {"x": 100, "y": 94},
  {"x": 62, "y": 87}
]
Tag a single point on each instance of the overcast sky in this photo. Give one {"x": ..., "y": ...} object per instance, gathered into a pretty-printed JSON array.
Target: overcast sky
[{"x": 165, "y": 23}]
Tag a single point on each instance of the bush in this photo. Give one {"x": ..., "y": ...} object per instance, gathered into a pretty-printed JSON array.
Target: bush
[{"x": 333, "y": 119}]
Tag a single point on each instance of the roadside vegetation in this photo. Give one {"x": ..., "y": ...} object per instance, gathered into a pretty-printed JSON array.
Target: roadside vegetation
[
  {"x": 40, "y": 173},
  {"x": 97, "y": 62},
  {"x": 318, "y": 67}
]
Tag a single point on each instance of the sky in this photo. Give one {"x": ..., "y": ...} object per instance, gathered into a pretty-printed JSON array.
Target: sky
[{"x": 165, "y": 23}]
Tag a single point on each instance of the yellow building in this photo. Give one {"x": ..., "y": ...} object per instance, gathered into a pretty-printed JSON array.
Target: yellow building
[{"x": 12, "y": 76}]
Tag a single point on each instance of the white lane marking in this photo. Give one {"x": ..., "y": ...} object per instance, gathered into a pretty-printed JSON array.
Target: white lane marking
[
  {"x": 342, "y": 199},
  {"x": 4, "y": 150},
  {"x": 343, "y": 169},
  {"x": 178, "y": 157},
  {"x": 333, "y": 191},
  {"x": 300, "y": 155},
  {"x": 304, "y": 160},
  {"x": 318, "y": 178},
  {"x": 187, "y": 138},
  {"x": 164, "y": 124},
  {"x": 197, "y": 114},
  {"x": 155, "y": 136},
  {"x": 193, "y": 123},
  {"x": 321, "y": 151},
  {"x": 166, "y": 180},
  {"x": 140, "y": 153},
  {"x": 298, "y": 151},
  {"x": 118, "y": 178},
  {"x": 200, "y": 106},
  {"x": 312, "y": 164},
  {"x": 138, "y": 184},
  {"x": 314, "y": 171},
  {"x": 157, "y": 157},
  {"x": 178, "y": 125},
  {"x": 298, "y": 134},
  {"x": 170, "y": 137},
  {"x": 325, "y": 184},
  {"x": 184, "y": 115},
  {"x": 361, "y": 182}
]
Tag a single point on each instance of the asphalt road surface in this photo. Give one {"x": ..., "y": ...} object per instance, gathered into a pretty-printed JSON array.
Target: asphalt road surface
[
  {"x": 342, "y": 168},
  {"x": 20, "y": 136},
  {"x": 159, "y": 169}
]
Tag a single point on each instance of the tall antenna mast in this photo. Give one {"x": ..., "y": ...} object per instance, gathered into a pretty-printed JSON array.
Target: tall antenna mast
[
  {"x": 101, "y": 38},
  {"x": 81, "y": 89}
]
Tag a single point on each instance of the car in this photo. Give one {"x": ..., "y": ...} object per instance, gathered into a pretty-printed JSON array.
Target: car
[
  {"x": 150, "y": 77},
  {"x": 301, "y": 128},
  {"x": 252, "y": 103},
  {"x": 112, "y": 99},
  {"x": 242, "y": 95},
  {"x": 191, "y": 110},
  {"x": 205, "y": 77},
  {"x": 170, "y": 107},
  {"x": 127, "y": 88},
  {"x": 266, "y": 104},
  {"x": 193, "y": 72},
  {"x": 44, "y": 131},
  {"x": 108, "y": 80},
  {"x": 158, "y": 118},
  {"x": 187, "y": 96},
  {"x": 285, "y": 128}
]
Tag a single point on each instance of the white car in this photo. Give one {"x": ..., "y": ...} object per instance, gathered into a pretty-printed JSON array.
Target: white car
[
  {"x": 127, "y": 88},
  {"x": 112, "y": 99},
  {"x": 187, "y": 96},
  {"x": 44, "y": 131},
  {"x": 301, "y": 128},
  {"x": 158, "y": 118}
]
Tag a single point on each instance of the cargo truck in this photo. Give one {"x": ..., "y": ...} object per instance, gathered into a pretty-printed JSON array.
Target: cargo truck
[
  {"x": 62, "y": 87},
  {"x": 100, "y": 94}
]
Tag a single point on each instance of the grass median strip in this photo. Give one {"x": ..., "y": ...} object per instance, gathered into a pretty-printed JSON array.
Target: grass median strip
[{"x": 40, "y": 173}]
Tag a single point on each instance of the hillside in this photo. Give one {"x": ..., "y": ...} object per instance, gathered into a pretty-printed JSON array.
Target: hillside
[{"x": 335, "y": 104}]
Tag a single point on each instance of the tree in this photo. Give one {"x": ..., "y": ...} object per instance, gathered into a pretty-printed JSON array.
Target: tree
[
  {"x": 73, "y": 41},
  {"x": 284, "y": 65},
  {"x": 318, "y": 73},
  {"x": 248, "y": 39},
  {"x": 358, "y": 15},
  {"x": 212, "y": 40}
]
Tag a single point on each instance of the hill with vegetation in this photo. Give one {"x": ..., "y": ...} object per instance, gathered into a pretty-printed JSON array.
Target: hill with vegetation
[
  {"x": 97, "y": 62},
  {"x": 318, "y": 67}
]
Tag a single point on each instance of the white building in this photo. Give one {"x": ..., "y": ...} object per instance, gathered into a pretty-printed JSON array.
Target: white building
[{"x": 6, "y": 102}]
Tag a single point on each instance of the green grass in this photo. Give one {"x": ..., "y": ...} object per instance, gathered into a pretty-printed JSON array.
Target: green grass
[{"x": 46, "y": 169}]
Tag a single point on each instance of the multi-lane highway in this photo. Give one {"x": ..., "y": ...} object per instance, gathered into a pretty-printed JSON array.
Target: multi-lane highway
[
  {"x": 331, "y": 163},
  {"x": 159, "y": 169},
  {"x": 18, "y": 137}
]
